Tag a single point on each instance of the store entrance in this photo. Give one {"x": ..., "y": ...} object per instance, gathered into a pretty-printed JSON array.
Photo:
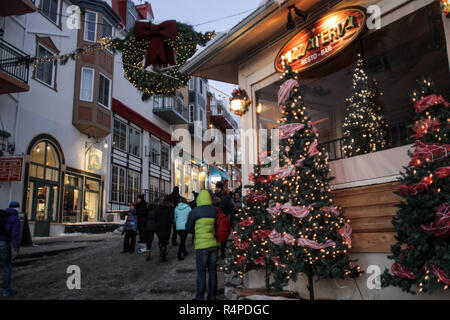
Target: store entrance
[{"x": 44, "y": 207}]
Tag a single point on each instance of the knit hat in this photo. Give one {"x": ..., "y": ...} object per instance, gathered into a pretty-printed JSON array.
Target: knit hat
[
  {"x": 141, "y": 196},
  {"x": 14, "y": 204},
  {"x": 219, "y": 185}
]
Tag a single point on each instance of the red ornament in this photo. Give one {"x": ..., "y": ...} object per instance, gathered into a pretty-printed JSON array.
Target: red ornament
[
  {"x": 240, "y": 260},
  {"x": 260, "y": 235},
  {"x": 247, "y": 222},
  {"x": 261, "y": 260}
]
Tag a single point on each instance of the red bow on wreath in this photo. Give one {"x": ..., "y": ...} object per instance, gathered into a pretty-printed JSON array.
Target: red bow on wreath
[{"x": 158, "y": 52}]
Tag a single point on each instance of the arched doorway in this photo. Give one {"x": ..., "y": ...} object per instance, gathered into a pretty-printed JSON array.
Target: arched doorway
[{"x": 43, "y": 184}]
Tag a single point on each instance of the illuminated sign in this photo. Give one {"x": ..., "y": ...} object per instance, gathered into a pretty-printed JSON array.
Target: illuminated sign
[
  {"x": 322, "y": 40},
  {"x": 95, "y": 159}
]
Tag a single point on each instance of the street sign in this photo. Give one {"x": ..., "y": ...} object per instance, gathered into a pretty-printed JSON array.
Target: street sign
[{"x": 11, "y": 169}]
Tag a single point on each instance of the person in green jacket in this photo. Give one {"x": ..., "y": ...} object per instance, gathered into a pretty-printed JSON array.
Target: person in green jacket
[{"x": 202, "y": 220}]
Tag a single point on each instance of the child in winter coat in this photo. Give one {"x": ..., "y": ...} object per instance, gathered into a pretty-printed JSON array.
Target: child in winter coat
[
  {"x": 181, "y": 215},
  {"x": 130, "y": 230}
]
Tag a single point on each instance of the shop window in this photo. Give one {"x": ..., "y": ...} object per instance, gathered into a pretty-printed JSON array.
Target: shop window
[
  {"x": 72, "y": 199},
  {"x": 87, "y": 84},
  {"x": 104, "y": 91},
  {"x": 120, "y": 135},
  {"x": 90, "y": 26},
  {"x": 45, "y": 72},
  {"x": 165, "y": 156},
  {"x": 134, "y": 138},
  {"x": 154, "y": 151},
  {"x": 50, "y": 9}
]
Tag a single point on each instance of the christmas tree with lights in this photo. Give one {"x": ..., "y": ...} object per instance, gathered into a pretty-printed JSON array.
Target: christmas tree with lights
[
  {"x": 422, "y": 223},
  {"x": 364, "y": 125},
  {"x": 250, "y": 249},
  {"x": 298, "y": 228}
]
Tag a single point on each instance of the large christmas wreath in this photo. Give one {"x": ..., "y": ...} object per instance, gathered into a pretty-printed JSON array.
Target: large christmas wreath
[{"x": 166, "y": 47}]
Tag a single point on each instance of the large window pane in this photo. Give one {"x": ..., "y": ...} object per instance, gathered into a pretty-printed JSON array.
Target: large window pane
[
  {"x": 154, "y": 149},
  {"x": 44, "y": 71},
  {"x": 120, "y": 135},
  {"x": 103, "y": 91},
  {"x": 165, "y": 157},
  {"x": 134, "y": 146},
  {"x": 90, "y": 26},
  {"x": 50, "y": 9},
  {"x": 87, "y": 84}
]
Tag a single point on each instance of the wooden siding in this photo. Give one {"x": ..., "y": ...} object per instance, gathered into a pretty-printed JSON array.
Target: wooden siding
[{"x": 370, "y": 210}]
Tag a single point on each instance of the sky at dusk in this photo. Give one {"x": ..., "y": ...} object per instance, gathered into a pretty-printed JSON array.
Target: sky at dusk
[{"x": 196, "y": 12}]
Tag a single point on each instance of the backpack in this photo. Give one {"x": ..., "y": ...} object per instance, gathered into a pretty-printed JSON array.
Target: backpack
[
  {"x": 223, "y": 226},
  {"x": 4, "y": 215}
]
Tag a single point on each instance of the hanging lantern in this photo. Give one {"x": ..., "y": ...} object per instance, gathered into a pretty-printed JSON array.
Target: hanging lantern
[{"x": 239, "y": 101}]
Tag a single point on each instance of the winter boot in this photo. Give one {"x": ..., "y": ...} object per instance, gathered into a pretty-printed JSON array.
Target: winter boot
[
  {"x": 163, "y": 253},
  {"x": 147, "y": 255}
]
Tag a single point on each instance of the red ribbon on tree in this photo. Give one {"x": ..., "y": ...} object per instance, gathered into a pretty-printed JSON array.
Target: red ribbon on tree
[
  {"x": 246, "y": 223},
  {"x": 400, "y": 271},
  {"x": 257, "y": 196},
  {"x": 290, "y": 129},
  {"x": 346, "y": 232},
  {"x": 261, "y": 260},
  {"x": 285, "y": 90},
  {"x": 441, "y": 226},
  {"x": 429, "y": 152},
  {"x": 304, "y": 242},
  {"x": 426, "y": 126},
  {"x": 416, "y": 188},
  {"x": 428, "y": 101},
  {"x": 440, "y": 274},
  {"x": 159, "y": 53},
  {"x": 442, "y": 172}
]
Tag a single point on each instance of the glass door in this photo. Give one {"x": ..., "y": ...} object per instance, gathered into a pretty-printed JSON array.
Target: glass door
[{"x": 44, "y": 207}]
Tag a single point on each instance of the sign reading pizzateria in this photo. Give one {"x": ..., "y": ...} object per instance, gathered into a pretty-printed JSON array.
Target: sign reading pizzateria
[{"x": 322, "y": 40}]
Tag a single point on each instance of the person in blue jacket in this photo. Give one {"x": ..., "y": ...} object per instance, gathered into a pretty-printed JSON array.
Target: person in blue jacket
[
  {"x": 182, "y": 211},
  {"x": 9, "y": 235}
]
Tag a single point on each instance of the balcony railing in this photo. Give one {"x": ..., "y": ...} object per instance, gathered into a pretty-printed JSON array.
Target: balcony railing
[
  {"x": 398, "y": 134},
  {"x": 171, "y": 109},
  {"x": 218, "y": 110},
  {"x": 13, "y": 61}
]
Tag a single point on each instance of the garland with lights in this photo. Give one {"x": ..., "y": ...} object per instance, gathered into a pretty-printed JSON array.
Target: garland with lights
[
  {"x": 240, "y": 94},
  {"x": 159, "y": 79},
  {"x": 422, "y": 223},
  {"x": 364, "y": 125}
]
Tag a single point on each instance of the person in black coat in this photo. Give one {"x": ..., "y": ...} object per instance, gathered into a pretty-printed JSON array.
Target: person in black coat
[
  {"x": 141, "y": 213},
  {"x": 174, "y": 199},
  {"x": 164, "y": 222},
  {"x": 150, "y": 228}
]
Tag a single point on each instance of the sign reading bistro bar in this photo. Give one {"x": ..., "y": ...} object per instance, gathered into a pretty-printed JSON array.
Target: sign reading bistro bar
[{"x": 322, "y": 40}]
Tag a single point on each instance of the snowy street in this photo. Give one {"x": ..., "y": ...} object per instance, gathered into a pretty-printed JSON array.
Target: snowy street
[{"x": 40, "y": 272}]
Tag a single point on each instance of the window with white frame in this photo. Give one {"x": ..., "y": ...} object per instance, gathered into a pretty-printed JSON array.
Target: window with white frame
[
  {"x": 87, "y": 84},
  {"x": 165, "y": 156},
  {"x": 45, "y": 72},
  {"x": 134, "y": 185},
  {"x": 104, "y": 91},
  {"x": 120, "y": 135},
  {"x": 191, "y": 84},
  {"x": 90, "y": 26},
  {"x": 191, "y": 113},
  {"x": 154, "y": 151},
  {"x": 118, "y": 184},
  {"x": 134, "y": 142},
  {"x": 50, "y": 9}
]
